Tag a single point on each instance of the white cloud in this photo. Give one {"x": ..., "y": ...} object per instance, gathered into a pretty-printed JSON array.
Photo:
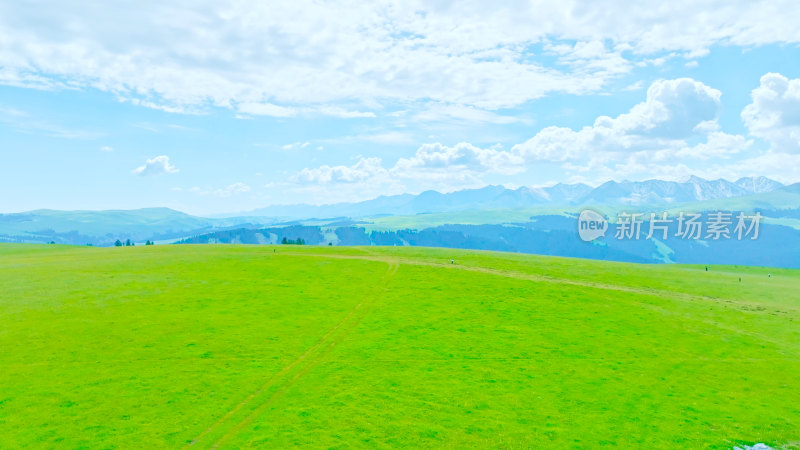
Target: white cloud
[
  {"x": 437, "y": 158},
  {"x": 170, "y": 108},
  {"x": 266, "y": 109},
  {"x": 637, "y": 86},
  {"x": 269, "y": 109},
  {"x": 432, "y": 165},
  {"x": 106, "y": 148},
  {"x": 295, "y": 145},
  {"x": 779, "y": 166},
  {"x": 673, "y": 111},
  {"x": 288, "y": 58},
  {"x": 774, "y": 114},
  {"x": 156, "y": 166},
  {"x": 342, "y": 113},
  {"x": 364, "y": 169},
  {"x": 592, "y": 56},
  {"x": 461, "y": 114},
  {"x": 718, "y": 145}
]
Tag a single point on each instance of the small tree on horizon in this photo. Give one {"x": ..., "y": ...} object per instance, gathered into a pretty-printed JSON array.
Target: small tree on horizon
[{"x": 118, "y": 243}]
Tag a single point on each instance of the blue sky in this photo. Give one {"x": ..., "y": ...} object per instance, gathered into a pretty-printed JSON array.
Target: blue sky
[{"x": 222, "y": 107}]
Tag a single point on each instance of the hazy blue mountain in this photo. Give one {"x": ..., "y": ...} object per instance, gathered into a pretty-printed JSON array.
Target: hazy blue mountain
[
  {"x": 758, "y": 185},
  {"x": 104, "y": 227},
  {"x": 428, "y": 201},
  {"x": 781, "y": 202},
  {"x": 650, "y": 193},
  {"x": 565, "y": 193},
  {"x": 659, "y": 192}
]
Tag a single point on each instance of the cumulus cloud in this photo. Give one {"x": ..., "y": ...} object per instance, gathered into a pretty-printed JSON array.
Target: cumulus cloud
[
  {"x": 460, "y": 157},
  {"x": 156, "y": 166},
  {"x": 774, "y": 114},
  {"x": 459, "y": 165},
  {"x": 364, "y": 169},
  {"x": 672, "y": 111}
]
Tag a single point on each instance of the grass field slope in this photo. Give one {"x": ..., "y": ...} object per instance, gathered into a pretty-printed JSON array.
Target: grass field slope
[{"x": 221, "y": 346}]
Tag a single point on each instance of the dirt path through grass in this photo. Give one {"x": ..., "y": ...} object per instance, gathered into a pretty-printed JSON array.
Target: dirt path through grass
[
  {"x": 533, "y": 277},
  {"x": 279, "y": 382}
]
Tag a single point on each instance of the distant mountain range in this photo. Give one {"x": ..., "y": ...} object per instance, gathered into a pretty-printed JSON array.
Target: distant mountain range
[
  {"x": 489, "y": 206},
  {"x": 652, "y": 193}
]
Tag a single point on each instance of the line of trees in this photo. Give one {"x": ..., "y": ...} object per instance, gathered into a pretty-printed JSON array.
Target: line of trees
[
  {"x": 129, "y": 243},
  {"x": 298, "y": 241}
]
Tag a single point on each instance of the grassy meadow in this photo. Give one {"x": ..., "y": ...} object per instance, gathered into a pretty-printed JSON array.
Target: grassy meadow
[{"x": 382, "y": 347}]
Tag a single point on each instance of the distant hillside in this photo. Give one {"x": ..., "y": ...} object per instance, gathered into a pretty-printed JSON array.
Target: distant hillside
[
  {"x": 104, "y": 227},
  {"x": 554, "y": 235}
]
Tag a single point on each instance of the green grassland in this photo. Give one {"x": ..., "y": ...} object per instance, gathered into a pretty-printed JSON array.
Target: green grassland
[{"x": 239, "y": 346}]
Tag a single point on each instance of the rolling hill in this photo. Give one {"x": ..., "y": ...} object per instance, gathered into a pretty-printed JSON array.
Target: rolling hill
[
  {"x": 290, "y": 346},
  {"x": 104, "y": 227}
]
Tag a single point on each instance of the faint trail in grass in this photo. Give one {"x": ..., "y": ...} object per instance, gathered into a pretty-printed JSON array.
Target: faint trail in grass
[
  {"x": 540, "y": 278},
  {"x": 677, "y": 295},
  {"x": 303, "y": 363}
]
